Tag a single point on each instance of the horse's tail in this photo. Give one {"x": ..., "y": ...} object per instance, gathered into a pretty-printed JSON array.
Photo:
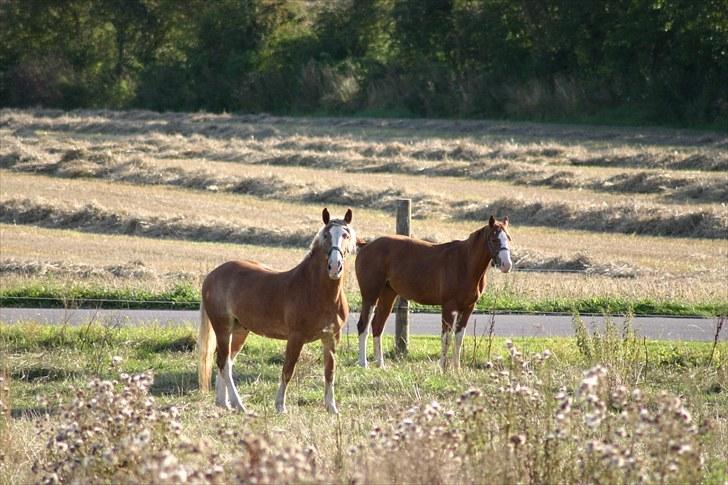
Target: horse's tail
[{"x": 205, "y": 348}]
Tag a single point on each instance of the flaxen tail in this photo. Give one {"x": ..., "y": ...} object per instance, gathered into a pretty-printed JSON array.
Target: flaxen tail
[{"x": 206, "y": 344}]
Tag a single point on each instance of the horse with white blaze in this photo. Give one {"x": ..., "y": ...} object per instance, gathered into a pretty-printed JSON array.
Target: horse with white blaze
[
  {"x": 304, "y": 304},
  {"x": 452, "y": 274}
]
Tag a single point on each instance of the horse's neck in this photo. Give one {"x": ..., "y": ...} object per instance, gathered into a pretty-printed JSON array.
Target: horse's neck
[
  {"x": 477, "y": 253},
  {"x": 313, "y": 270}
]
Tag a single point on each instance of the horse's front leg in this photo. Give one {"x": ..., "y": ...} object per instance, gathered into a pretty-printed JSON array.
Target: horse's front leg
[
  {"x": 293, "y": 350},
  {"x": 460, "y": 325},
  {"x": 448, "y": 317},
  {"x": 329, "y": 345}
]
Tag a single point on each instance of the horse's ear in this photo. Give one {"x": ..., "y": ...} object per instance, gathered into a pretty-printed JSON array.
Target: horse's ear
[
  {"x": 505, "y": 221},
  {"x": 325, "y": 215},
  {"x": 347, "y": 217},
  {"x": 491, "y": 221}
]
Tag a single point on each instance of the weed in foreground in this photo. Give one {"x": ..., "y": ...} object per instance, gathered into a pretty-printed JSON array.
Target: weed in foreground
[{"x": 527, "y": 423}]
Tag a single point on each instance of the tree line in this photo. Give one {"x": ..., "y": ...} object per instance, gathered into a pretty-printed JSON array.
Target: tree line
[{"x": 634, "y": 61}]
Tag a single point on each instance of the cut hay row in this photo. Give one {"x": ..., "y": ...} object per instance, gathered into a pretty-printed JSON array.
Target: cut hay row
[
  {"x": 640, "y": 219},
  {"x": 94, "y": 218},
  {"x": 526, "y": 260},
  {"x": 239, "y": 126},
  {"x": 628, "y": 218},
  {"x": 132, "y": 269},
  {"x": 24, "y": 154}
]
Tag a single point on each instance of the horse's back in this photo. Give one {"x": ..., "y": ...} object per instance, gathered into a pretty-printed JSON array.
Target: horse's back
[
  {"x": 248, "y": 291},
  {"x": 414, "y": 268}
]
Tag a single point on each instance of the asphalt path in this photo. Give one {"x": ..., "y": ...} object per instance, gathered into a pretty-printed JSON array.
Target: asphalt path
[{"x": 506, "y": 325}]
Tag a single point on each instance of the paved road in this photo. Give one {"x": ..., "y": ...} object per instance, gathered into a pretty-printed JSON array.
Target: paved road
[{"x": 660, "y": 328}]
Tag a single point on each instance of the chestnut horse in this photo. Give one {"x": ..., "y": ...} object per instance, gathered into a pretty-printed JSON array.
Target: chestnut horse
[
  {"x": 450, "y": 274},
  {"x": 301, "y": 305}
]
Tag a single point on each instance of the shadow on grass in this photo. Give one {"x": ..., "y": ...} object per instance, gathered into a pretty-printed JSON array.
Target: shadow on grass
[
  {"x": 183, "y": 383},
  {"x": 43, "y": 374},
  {"x": 32, "y": 413}
]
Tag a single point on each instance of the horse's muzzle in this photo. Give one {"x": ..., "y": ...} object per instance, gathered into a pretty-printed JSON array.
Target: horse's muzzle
[
  {"x": 336, "y": 269},
  {"x": 505, "y": 266}
]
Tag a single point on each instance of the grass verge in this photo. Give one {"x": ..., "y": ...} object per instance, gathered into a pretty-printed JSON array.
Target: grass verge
[{"x": 187, "y": 297}]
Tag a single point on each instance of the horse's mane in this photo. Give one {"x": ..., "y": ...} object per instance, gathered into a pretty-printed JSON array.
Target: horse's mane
[{"x": 319, "y": 238}]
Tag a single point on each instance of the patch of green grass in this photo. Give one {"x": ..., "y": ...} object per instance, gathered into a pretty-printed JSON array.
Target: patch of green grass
[
  {"x": 46, "y": 360},
  {"x": 185, "y": 296}
]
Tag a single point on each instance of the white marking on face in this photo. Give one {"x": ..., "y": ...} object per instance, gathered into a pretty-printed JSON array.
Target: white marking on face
[
  {"x": 339, "y": 239},
  {"x": 505, "y": 253}
]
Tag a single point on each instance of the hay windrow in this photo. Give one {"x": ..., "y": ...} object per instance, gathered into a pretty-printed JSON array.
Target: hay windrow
[
  {"x": 525, "y": 260},
  {"x": 529, "y": 165},
  {"x": 131, "y": 269},
  {"x": 627, "y": 219},
  {"x": 401, "y": 129},
  {"x": 94, "y": 218}
]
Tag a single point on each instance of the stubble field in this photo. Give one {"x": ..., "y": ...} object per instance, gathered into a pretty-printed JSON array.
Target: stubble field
[
  {"x": 596, "y": 212},
  {"x": 139, "y": 204}
]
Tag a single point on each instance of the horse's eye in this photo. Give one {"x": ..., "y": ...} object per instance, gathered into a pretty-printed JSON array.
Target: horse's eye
[
  {"x": 346, "y": 235},
  {"x": 327, "y": 235}
]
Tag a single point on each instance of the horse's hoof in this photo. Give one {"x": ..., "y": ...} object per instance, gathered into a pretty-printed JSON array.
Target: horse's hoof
[
  {"x": 363, "y": 364},
  {"x": 332, "y": 409},
  {"x": 380, "y": 364},
  {"x": 281, "y": 409}
]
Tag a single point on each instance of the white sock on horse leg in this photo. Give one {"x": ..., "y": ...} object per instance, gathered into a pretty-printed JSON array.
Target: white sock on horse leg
[
  {"x": 221, "y": 392},
  {"x": 232, "y": 391},
  {"x": 363, "y": 348},
  {"x": 458, "y": 347},
  {"x": 329, "y": 399},
  {"x": 378, "y": 356},
  {"x": 281, "y": 397}
]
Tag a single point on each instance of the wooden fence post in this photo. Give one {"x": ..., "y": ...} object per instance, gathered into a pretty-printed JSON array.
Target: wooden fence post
[{"x": 401, "y": 336}]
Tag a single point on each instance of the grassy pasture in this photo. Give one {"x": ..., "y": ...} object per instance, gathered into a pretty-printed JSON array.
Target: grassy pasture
[
  {"x": 536, "y": 416},
  {"x": 641, "y": 212}
]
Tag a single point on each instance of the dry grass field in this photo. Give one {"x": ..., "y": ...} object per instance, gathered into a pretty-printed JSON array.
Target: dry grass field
[
  {"x": 125, "y": 199},
  {"x": 141, "y": 202}
]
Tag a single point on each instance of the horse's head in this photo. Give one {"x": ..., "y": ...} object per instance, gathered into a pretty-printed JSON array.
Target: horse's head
[
  {"x": 338, "y": 240},
  {"x": 498, "y": 239}
]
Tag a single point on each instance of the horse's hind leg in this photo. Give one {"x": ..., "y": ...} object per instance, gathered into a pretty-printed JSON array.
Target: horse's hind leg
[
  {"x": 384, "y": 308},
  {"x": 293, "y": 350},
  {"x": 363, "y": 328},
  {"x": 226, "y": 394}
]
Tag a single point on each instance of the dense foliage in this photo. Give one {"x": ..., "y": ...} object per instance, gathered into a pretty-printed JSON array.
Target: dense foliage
[{"x": 613, "y": 60}]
